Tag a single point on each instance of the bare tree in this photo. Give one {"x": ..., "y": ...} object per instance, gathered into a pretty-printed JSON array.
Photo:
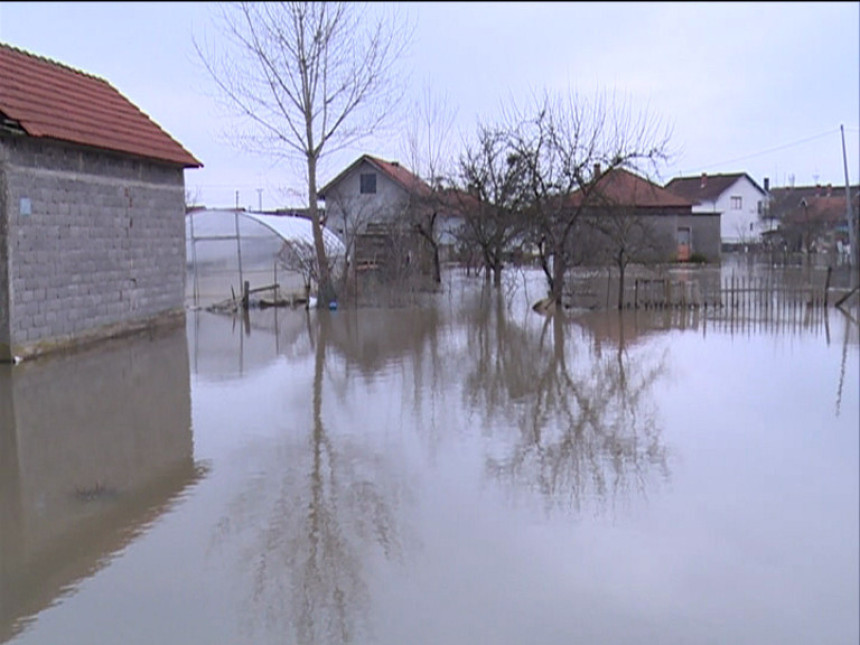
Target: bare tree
[
  {"x": 429, "y": 150},
  {"x": 308, "y": 78},
  {"x": 621, "y": 232},
  {"x": 566, "y": 146},
  {"x": 353, "y": 215},
  {"x": 300, "y": 257},
  {"x": 491, "y": 179}
]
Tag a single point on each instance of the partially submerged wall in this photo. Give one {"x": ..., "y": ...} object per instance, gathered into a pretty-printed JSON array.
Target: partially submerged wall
[{"x": 96, "y": 244}]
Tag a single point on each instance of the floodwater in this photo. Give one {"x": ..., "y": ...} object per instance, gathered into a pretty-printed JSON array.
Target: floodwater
[{"x": 465, "y": 471}]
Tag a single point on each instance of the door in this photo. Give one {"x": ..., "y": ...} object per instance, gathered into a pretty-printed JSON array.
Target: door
[{"x": 685, "y": 243}]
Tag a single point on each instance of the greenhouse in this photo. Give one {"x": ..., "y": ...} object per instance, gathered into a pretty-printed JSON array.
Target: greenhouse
[{"x": 263, "y": 258}]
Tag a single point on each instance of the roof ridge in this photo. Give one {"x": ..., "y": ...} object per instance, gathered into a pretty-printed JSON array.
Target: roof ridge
[
  {"x": 710, "y": 175},
  {"x": 51, "y": 61}
]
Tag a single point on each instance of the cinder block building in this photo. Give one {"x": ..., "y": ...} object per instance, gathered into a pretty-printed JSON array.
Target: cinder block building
[{"x": 92, "y": 203}]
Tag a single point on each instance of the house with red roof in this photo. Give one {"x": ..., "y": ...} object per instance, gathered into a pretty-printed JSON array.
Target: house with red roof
[
  {"x": 740, "y": 201},
  {"x": 812, "y": 218},
  {"x": 92, "y": 231},
  {"x": 381, "y": 209},
  {"x": 674, "y": 229}
]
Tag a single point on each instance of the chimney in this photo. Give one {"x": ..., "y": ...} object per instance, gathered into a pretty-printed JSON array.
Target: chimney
[
  {"x": 767, "y": 184},
  {"x": 596, "y": 170},
  {"x": 704, "y": 180}
]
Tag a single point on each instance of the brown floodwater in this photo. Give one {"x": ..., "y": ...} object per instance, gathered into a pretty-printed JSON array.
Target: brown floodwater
[{"x": 458, "y": 470}]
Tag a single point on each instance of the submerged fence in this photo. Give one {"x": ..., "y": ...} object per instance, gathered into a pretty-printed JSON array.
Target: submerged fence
[
  {"x": 743, "y": 293},
  {"x": 751, "y": 294}
]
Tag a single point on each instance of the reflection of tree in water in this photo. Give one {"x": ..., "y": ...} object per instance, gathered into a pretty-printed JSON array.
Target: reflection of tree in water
[
  {"x": 312, "y": 533},
  {"x": 586, "y": 430}
]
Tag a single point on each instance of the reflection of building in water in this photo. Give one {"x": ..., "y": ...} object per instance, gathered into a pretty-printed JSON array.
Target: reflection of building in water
[
  {"x": 371, "y": 338},
  {"x": 94, "y": 447},
  {"x": 224, "y": 346}
]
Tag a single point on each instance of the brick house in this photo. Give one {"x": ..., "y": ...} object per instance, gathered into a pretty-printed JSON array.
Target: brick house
[{"x": 92, "y": 198}]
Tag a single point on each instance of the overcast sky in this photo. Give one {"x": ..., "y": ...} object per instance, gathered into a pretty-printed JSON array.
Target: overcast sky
[{"x": 762, "y": 88}]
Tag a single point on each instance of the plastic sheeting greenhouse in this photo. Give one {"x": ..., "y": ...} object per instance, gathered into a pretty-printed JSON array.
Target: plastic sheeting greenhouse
[{"x": 272, "y": 255}]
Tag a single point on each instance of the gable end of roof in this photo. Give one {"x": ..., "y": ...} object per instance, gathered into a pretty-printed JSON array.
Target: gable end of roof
[{"x": 44, "y": 98}]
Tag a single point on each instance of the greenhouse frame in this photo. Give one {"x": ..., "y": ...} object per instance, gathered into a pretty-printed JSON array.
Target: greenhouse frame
[{"x": 235, "y": 254}]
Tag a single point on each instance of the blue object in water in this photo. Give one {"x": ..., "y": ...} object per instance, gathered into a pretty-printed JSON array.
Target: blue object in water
[{"x": 332, "y": 305}]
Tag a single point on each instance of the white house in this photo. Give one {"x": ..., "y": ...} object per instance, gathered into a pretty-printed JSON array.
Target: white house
[
  {"x": 374, "y": 192},
  {"x": 739, "y": 200}
]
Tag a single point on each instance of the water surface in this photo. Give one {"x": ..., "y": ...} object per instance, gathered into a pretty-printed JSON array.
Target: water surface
[{"x": 462, "y": 471}]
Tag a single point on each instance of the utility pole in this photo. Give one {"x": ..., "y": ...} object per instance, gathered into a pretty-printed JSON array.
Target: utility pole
[{"x": 260, "y": 200}]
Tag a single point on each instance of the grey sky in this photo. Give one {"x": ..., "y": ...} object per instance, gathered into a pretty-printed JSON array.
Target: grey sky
[{"x": 761, "y": 88}]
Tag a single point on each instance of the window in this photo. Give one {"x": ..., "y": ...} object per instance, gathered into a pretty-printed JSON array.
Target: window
[
  {"x": 368, "y": 184},
  {"x": 737, "y": 203}
]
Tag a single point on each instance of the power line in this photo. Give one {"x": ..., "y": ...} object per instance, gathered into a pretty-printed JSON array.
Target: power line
[{"x": 777, "y": 148}]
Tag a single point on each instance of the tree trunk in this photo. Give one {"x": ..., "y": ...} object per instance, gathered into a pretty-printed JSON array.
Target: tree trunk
[
  {"x": 621, "y": 267},
  {"x": 325, "y": 288},
  {"x": 559, "y": 268}
]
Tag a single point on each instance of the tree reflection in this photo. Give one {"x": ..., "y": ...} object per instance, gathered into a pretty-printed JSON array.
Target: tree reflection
[
  {"x": 582, "y": 429},
  {"x": 333, "y": 508}
]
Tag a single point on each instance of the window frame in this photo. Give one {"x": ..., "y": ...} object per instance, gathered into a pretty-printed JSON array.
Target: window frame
[{"x": 367, "y": 183}]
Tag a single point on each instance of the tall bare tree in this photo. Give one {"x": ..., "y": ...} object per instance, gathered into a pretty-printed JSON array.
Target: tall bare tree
[
  {"x": 567, "y": 144},
  {"x": 491, "y": 178},
  {"x": 308, "y": 78}
]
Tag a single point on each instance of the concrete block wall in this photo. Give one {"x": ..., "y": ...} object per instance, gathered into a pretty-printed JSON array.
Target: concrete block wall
[
  {"x": 95, "y": 242},
  {"x": 4, "y": 265},
  {"x": 705, "y": 228}
]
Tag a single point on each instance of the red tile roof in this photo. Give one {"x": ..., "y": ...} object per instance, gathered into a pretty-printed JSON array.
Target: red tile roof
[
  {"x": 410, "y": 182},
  {"x": 54, "y": 101},
  {"x": 623, "y": 188},
  {"x": 707, "y": 188}
]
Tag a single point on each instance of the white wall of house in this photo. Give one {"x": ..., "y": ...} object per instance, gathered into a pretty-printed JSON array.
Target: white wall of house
[
  {"x": 741, "y": 207},
  {"x": 348, "y": 210}
]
